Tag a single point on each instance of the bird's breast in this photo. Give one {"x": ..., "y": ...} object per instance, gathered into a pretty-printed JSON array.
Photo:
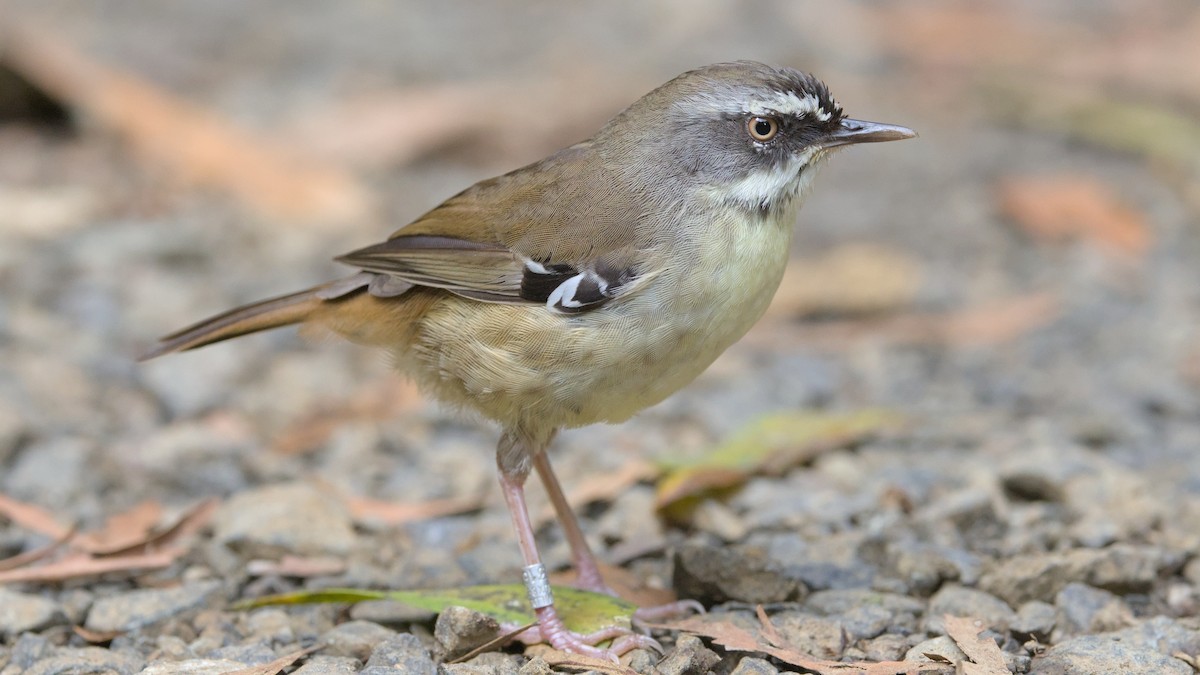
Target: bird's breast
[{"x": 525, "y": 365}]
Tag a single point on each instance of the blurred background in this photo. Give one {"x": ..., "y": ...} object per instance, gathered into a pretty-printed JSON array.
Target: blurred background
[{"x": 1020, "y": 283}]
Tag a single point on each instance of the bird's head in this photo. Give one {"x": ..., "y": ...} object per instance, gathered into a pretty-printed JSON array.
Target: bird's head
[{"x": 744, "y": 133}]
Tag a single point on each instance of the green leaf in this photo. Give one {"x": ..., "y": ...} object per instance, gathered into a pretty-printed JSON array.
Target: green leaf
[
  {"x": 770, "y": 445},
  {"x": 581, "y": 611}
]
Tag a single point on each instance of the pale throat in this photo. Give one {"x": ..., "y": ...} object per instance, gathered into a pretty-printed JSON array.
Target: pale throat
[{"x": 773, "y": 187}]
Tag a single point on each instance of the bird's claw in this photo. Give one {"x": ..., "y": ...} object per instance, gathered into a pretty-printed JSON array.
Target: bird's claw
[{"x": 551, "y": 630}]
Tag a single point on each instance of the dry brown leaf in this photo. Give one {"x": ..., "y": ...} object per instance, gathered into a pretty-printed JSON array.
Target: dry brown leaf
[
  {"x": 189, "y": 522},
  {"x": 769, "y": 631},
  {"x": 993, "y": 323},
  {"x": 30, "y": 557},
  {"x": 736, "y": 638},
  {"x": 277, "y": 665},
  {"x": 849, "y": 280},
  {"x": 195, "y": 145},
  {"x": 96, "y": 636},
  {"x": 121, "y": 531},
  {"x": 296, "y": 566},
  {"x": 987, "y": 657},
  {"x": 394, "y": 513},
  {"x": 33, "y": 518},
  {"x": 83, "y": 565},
  {"x": 1060, "y": 208},
  {"x": 577, "y": 662},
  {"x": 388, "y": 398}
]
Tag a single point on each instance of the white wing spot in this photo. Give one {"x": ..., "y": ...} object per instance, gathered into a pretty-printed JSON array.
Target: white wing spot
[
  {"x": 535, "y": 267},
  {"x": 564, "y": 295}
]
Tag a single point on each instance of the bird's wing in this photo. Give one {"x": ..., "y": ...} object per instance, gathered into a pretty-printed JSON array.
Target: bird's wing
[{"x": 549, "y": 233}]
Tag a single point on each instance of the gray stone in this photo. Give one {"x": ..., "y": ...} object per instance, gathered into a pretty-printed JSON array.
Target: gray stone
[
  {"x": 1126, "y": 568},
  {"x": 288, "y": 518},
  {"x": 1167, "y": 635},
  {"x": 270, "y": 625},
  {"x": 820, "y": 636},
  {"x": 75, "y": 603},
  {"x": 1039, "y": 576},
  {"x": 835, "y": 563},
  {"x": 254, "y": 653},
  {"x": 12, "y": 430},
  {"x": 459, "y": 630},
  {"x": 1034, "y": 619},
  {"x": 323, "y": 664},
  {"x": 20, "y": 612},
  {"x": 215, "y": 631},
  {"x": 714, "y": 575},
  {"x": 29, "y": 649},
  {"x": 940, "y": 646},
  {"x": 754, "y": 666},
  {"x": 68, "y": 661},
  {"x": 135, "y": 609},
  {"x": 961, "y": 601},
  {"x": 49, "y": 472},
  {"x": 922, "y": 567},
  {"x": 889, "y": 647},
  {"x": 356, "y": 639},
  {"x": 690, "y": 657},
  {"x": 403, "y": 652},
  {"x": 1093, "y": 654},
  {"x": 642, "y": 660},
  {"x": 193, "y": 667},
  {"x": 925, "y": 567},
  {"x": 488, "y": 663},
  {"x": 172, "y": 647},
  {"x": 1083, "y": 609},
  {"x": 865, "y": 613},
  {"x": 536, "y": 666}
]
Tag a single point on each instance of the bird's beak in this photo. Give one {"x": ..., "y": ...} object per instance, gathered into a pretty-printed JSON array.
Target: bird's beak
[{"x": 859, "y": 131}]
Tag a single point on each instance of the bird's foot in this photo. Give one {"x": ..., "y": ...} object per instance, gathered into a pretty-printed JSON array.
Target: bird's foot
[
  {"x": 551, "y": 630},
  {"x": 645, "y": 615},
  {"x": 589, "y": 579}
]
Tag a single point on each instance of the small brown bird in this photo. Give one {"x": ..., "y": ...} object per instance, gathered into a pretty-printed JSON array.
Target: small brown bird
[{"x": 591, "y": 284}]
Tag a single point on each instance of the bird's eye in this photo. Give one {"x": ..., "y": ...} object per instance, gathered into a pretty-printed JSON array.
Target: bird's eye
[{"x": 762, "y": 129}]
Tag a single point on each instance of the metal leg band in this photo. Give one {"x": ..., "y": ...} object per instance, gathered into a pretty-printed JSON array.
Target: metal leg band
[{"x": 537, "y": 584}]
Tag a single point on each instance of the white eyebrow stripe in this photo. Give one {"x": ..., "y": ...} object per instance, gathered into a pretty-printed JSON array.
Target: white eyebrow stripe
[{"x": 788, "y": 103}]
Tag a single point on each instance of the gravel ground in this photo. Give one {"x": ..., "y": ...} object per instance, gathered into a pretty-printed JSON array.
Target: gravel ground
[{"x": 1046, "y": 481}]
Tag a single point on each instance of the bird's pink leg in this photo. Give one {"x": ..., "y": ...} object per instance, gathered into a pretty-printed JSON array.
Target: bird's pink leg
[
  {"x": 512, "y": 459},
  {"x": 587, "y": 569}
]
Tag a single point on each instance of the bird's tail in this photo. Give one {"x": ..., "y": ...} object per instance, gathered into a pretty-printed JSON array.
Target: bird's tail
[{"x": 262, "y": 315}]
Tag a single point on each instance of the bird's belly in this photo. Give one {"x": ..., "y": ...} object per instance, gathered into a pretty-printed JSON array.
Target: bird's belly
[{"x": 524, "y": 365}]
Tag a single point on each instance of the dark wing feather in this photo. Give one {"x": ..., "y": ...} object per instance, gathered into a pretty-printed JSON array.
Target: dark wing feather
[
  {"x": 476, "y": 270},
  {"x": 564, "y": 212}
]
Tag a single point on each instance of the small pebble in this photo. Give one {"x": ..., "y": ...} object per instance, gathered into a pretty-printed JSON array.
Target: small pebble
[
  {"x": 21, "y": 612},
  {"x": 961, "y": 601},
  {"x": 143, "y": 607},
  {"x": 403, "y": 652},
  {"x": 754, "y": 666},
  {"x": 1092, "y": 654},
  {"x": 355, "y": 639},
  {"x": 459, "y": 630},
  {"x": 292, "y": 518}
]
